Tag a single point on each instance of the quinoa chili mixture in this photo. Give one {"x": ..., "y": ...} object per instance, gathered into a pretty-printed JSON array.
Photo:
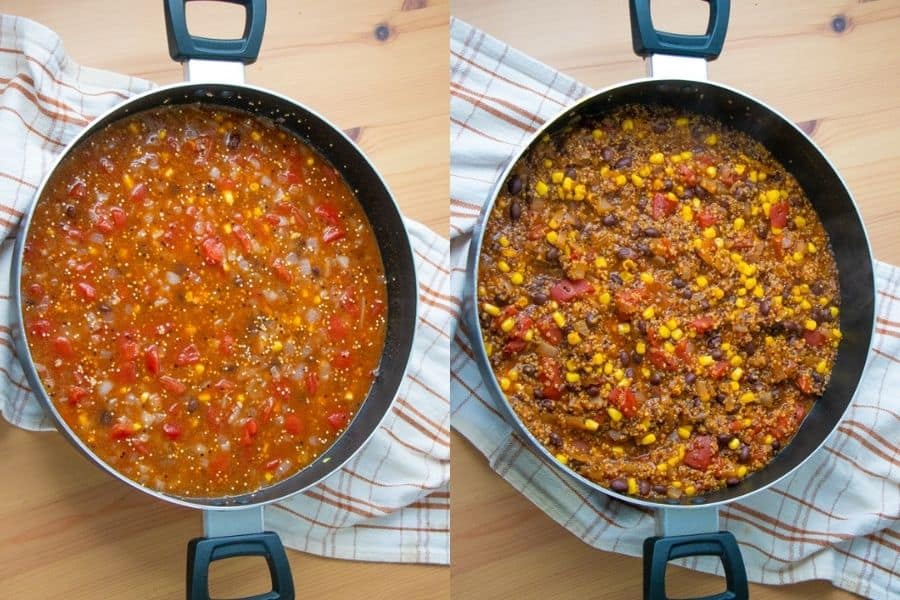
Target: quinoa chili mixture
[
  {"x": 204, "y": 299},
  {"x": 659, "y": 301}
]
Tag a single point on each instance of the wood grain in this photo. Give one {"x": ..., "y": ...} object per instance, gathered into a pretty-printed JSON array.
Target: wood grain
[
  {"x": 66, "y": 529},
  {"x": 788, "y": 54}
]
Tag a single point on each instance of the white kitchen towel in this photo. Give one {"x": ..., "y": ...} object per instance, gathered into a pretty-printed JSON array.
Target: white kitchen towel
[
  {"x": 391, "y": 502},
  {"x": 836, "y": 518}
]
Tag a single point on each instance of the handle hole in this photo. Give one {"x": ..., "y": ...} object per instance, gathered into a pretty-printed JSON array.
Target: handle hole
[
  {"x": 239, "y": 577},
  {"x": 686, "y": 17},
  {"x": 216, "y": 20},
  {"x": 697, "y": 585}
]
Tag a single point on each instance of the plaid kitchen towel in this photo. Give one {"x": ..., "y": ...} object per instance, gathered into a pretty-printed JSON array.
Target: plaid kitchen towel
[
  {"x": 391, "y": 502},
  {"x": 836, "y": 518}
]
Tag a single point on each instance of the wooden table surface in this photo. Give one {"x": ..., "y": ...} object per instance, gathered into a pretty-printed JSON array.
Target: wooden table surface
[
  {"x": 793, "y": 56},
  {"x": 67, "y": 530}
]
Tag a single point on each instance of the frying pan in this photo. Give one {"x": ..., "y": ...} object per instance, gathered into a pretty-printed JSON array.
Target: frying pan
[
  {"x": 677, "y": 69},
  {"x": 214, "y": 69}
]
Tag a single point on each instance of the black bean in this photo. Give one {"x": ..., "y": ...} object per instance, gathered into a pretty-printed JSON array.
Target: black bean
[
  {"x": 704, "y": 304},
  {"x": 618, "y": 485},
  {"x": 607, "y": 154},
  {"x": 642, "y": 203},
  {"x": 192, "y": 404},
  {"x": 615, "y": 278},
  {"x": 776, "y": 445},
  {"x": 538, "y": 394},
  {"x": 659, "y": 489},
  {"x": 514, "y": 185},
  {"x": 104, "y": 308},
  {"x": 232, "y": 140},
  {"x": 552, "y": 254},
  {"x": 539, "y": 298},
  {"x": 716, "y": 354},
  {"x": 678, "y": 283},
  {"x": 655, "y": 379},
  {"x": 555, "y": 440},
  {"x": 629, "y": 373},
  {"x": 732, "y": 481},
  {"x": 106, "y": 417},
  {"x": 724, "y": 438},
  {"x": 720, "y": 397},
  {"x": 817, "y": 288},
  {"x": 529, "y": 369},
  {"x": 636, "y": 358},
  {"x": 744, "y": 456},
  {"x": 791, "y": 326},
  {"x": 644, "y": 249},
  {"x": 315, "y": 271},
  {"x": 71, "y": 211},
  {"x": 668, "y": 184},
  {"x": 642, "y": 327},
  {"x": 659, "y": 125},
  {"x": 644, "y": 487},
  {"x": 592, "y": 319},
  {"x": 515, "y": 210},
  {"x": 687, "y": 294},
  {"x": 592, "y": 390},
  {"x": 610, "y": 220},
  {"x": 651, "y": 232},
  {"x": 764, "y": 307},
  {"x": 625, "y": 253},
  {"x": 624, "y": 358},
  {"x": 635, "y": 231},
  {"x": 690, "y": 378},
  {"x": 623, "y": 163},
  {"x": 752, "y": 377},
  {"x": 749, "y": 348},
  {"x": 715, "y": 341},
  {"x": 571, "y": 173}
]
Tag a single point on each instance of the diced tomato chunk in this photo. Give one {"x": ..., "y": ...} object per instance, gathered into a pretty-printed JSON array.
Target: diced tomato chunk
[
  {"x": 550, "y": 375},
  {"x": 219, "y": 463},
  {"x": 338, "y": 419},
  {"x": 139, "y": 192},
  {"x": 513, "y": 347},
  {"x": 243, "y": 237},
  {"x": 687, "y": 174},
  {"x": 151, "y": 359},
  {"x": 76, "y": 395},
  {"x": 625, "y": 400},
  {"x": 778, "y": 214},
  {"x": 226, "y": 345},
  {"x": 127, "y": 347},
  {"x": 172, "y": 430},
  {"x": 707, "y": 218},
  {"x": 551, "y": 333},
  {"x": 77, "y": 189},
  {"x": 188, "y": 356},
  {"x": 121, "y": 431},
  {"x": 312, "y": 382},
  {"x": 63, "y": 347},
  {"x": 337, "y": 328},
  {"x": 118, "y": 216},
  {"x": 804, "y": 382},
  {"x": 342, "y": 360},
  {"x": 86, "y": 290},
  {"x": 332, "y": 233},
  {"x": 329, "y": 213},
  {"x": 127, "y": 372},
  {"x": 250, "y": 429},
  {"x": 699, "y": 453},
  {"x": 213, "y": 250},
  {"x": 814, "y": 338},
  {"x": 172, "y": 385},
  {"x": 273, "y": 464},
  {"x": 293, "y": 424},
  {"x": 567, "y": 290},
  {"x": 662, "y": 206},
  {"x": 224, "y": 385},
  {"x": 702, "y": 324},
  {"x": 282, "y": 271},
  {"x": 629, "y": 301},
  {"x": 105, "y": 225},
  {"x": 36, "y": 291},
  {"x": 40, "y": 328},
  {"x": 718, "y": 370}
]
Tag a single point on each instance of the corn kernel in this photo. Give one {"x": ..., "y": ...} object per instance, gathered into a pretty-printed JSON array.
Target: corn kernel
[
  {"x": 711, "y": 171},
  {"x": 741, "y": 471},
  {"x": 834, "y": 312},
  {"x": 656, "y": 158},
  {"x": 718, "y": 293},
  {"x": 648, "y": 439},
  {"x": 557, "y": 176},
  {"x": 734, "y": 443},
  {"x": 711, "y": 139},
  {"x": 623, "y": 328},
  {"x": 621, "y": 180},
  {"x": 614, "y": 413},
  {"x": 136, "y": 426},
  {"x": 600, "y": 262},
  {"x": 516, "y": 278},
  {"x": 558, "y": 318},
  {"x": 647, "y": 277},
  {"x": 805, "y": 305},
  {"x": 684, "y": 432},
  {"x": 591, "y": 425},
  {"x": 508, "y": 324},
  {"x": 552, "y": 236},
  {"x": 681, "y": 122},
  {"x": 605, "y": 298},
  {"x": 690, "y": 490},
  {"x": 758, "y": 291},
  {"x": 627, "y": 124},
  {"x": 768, "y": 439},
  {"x": 562, "y": 458},
  {"x": 739, "y": 224},
  {"x": 810, "y": 325},
  {"x": 664, "y": 332},
  {"x": 662, "y": 467},
  {"x": 821, "y": 367},
  {"x": 637, "y": 180},
  {"x": 705, "y": 360},
  {"x": 505, "y": 383},
  {"x": 687, "y": 215},
  {"x": 608, "y": 368},
  {"x": 677, "y": 334},
  {"x": 740, "y": 303},
  {"x": 597, "y": 133},
  {"x": 709, "y": 233},
  {"x": 747, "y": 398},
  {"x": 797, "y": 256},
  {"x": 702, "y": 281},
  {"x": 568, "y": 184},
  {"x": 503, "y": 266},
  {"x": 199, "y": 368},
  {"x": 277, "y": 346},
  {"x": 799, "y": 221},
  {"x": 541, "y": 188},
  {"x": 573, "y": 338},
  {"x": 836, "y": 333},
  {"x": 669, "y": 347},
  {"x": 490, "y": 309},
  {"x": 553, "y": 224},
  {"x": 618, "y": 374},
  {"x": 632, "y": 486}
]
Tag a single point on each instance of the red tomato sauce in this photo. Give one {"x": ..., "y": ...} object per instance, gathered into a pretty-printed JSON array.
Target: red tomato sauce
[{"x": 204, "y": 299}]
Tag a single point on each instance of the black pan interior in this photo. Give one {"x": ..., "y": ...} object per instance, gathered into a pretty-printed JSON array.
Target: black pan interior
[
  {"x": 835, "y": 207},
  {"x": 393, "y": 243}
]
